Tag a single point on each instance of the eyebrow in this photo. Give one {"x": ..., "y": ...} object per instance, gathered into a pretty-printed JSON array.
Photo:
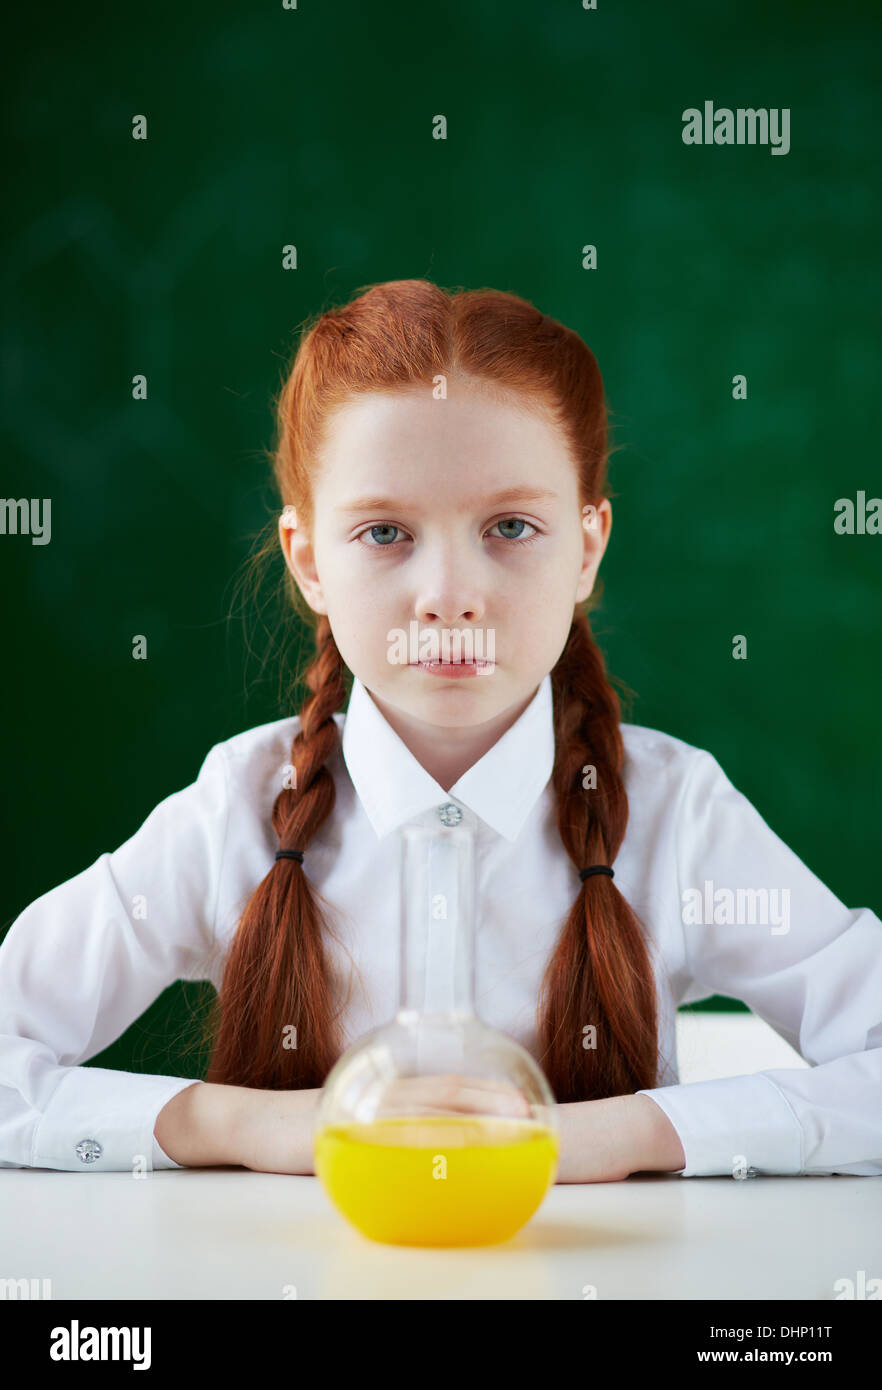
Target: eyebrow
[{"x": 512, "y": 494}]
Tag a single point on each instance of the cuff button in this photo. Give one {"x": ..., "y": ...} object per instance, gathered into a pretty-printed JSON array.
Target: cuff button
[{"x": 88, "y": 1150}]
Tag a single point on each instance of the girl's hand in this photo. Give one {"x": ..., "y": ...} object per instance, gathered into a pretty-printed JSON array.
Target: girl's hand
[{"x": 438, "y": 1095}]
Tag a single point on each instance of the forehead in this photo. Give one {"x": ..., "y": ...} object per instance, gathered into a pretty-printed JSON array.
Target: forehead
[{"x": 408, "y": 433}]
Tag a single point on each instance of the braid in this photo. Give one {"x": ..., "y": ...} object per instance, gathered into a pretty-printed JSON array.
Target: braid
[
  {"x": 301, "y": 810},
  {"x": 600, "y": 972},
  {"x": 276, "y": 976}
]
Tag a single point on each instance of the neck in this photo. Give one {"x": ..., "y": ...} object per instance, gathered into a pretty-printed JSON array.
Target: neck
[{"x": 448, "y": 757}]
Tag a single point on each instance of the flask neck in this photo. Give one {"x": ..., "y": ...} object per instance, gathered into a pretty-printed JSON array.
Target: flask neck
[{"x": 437, "y": 923}]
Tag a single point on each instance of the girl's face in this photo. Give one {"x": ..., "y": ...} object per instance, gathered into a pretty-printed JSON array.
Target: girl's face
[{"x": 410, "y": 536}]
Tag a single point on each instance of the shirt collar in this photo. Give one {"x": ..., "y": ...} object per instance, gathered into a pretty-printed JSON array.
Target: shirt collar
[{"x": 501, "y": 788}]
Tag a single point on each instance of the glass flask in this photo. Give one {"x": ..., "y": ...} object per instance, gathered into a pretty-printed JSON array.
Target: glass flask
[{"x": 436, "y": 1129}]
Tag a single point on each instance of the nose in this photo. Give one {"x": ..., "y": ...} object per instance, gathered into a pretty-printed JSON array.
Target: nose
[
  {"x": 446, "y": 611},
  {"x": 450, "y": 594}
]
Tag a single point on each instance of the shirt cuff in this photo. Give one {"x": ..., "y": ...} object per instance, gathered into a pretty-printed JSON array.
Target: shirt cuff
[
  {"x": 103, "y": 1120},
  {"x": 735, "y": 1126}
]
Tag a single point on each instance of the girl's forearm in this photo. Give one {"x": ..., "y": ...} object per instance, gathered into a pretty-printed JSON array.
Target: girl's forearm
[
  {"x": 606, "y": 1140},
  {"x": 271, "y": 1131},
  {"x": 206, "y": 1125},
  {"x": 658, "y": 1148},
  {"x": 199, "y": 1126}
]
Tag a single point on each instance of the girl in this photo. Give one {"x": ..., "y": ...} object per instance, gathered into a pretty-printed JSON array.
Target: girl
[{"x": 441, "y": 464}]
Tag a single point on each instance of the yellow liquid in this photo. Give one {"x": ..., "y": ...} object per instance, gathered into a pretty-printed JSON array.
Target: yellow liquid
[{"x": 437, "y": 1179}]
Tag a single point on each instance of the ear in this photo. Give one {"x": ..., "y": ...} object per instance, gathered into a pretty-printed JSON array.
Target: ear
[
  {"x": 596, "y": 526},
  {"x": 297, "y": 549}
]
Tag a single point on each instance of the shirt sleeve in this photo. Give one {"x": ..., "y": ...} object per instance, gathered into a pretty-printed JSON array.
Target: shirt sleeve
[
  {"x": 85, "y": 960},
  {"x": 760, "y": 927}
]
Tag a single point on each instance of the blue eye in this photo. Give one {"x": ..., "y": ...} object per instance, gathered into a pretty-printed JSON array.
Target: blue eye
[
  {"x": 518, "y": 521},
  {"x": 384, "y": 526}
]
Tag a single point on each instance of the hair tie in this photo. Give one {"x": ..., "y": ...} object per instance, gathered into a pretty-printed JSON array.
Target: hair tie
[
  {"x": 596, "y": 869},
  {"x": 290, "y": 854}
]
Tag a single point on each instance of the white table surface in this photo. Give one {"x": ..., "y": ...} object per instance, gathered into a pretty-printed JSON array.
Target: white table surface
[{"x": 228, "y": 1233}]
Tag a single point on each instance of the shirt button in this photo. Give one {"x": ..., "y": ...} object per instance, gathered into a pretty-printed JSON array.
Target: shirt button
[
  {"x": 449, "y": 814},
  {"x": 88, "y": 1150}
]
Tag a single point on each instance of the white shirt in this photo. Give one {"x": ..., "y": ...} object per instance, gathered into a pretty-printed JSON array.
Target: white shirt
[{"x": 83, "y": 961}]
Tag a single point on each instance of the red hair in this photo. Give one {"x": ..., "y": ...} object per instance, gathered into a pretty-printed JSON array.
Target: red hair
[{"x": 393, "y": 336}]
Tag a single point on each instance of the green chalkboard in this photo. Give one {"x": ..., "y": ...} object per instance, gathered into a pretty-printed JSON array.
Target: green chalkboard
[{"x": 313, "y": 126}]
